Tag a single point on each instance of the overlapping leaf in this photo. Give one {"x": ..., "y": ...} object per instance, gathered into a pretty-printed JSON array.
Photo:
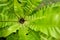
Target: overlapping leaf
[
  {"x": 8, "y": 20},
  {"x": 24, "y": 34},
  {"x": 27, "y": 5},
  {"x": 46, "y": 20}
]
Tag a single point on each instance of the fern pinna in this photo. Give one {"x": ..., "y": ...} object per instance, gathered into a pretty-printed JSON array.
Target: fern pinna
[{"x": 29, "y": 19}]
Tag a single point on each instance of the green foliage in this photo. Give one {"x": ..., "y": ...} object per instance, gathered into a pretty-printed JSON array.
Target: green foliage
[{"x": 41, "y": 21}]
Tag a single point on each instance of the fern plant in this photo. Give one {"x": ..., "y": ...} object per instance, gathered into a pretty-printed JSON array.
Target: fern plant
[{"x": 29, "y": 19}]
